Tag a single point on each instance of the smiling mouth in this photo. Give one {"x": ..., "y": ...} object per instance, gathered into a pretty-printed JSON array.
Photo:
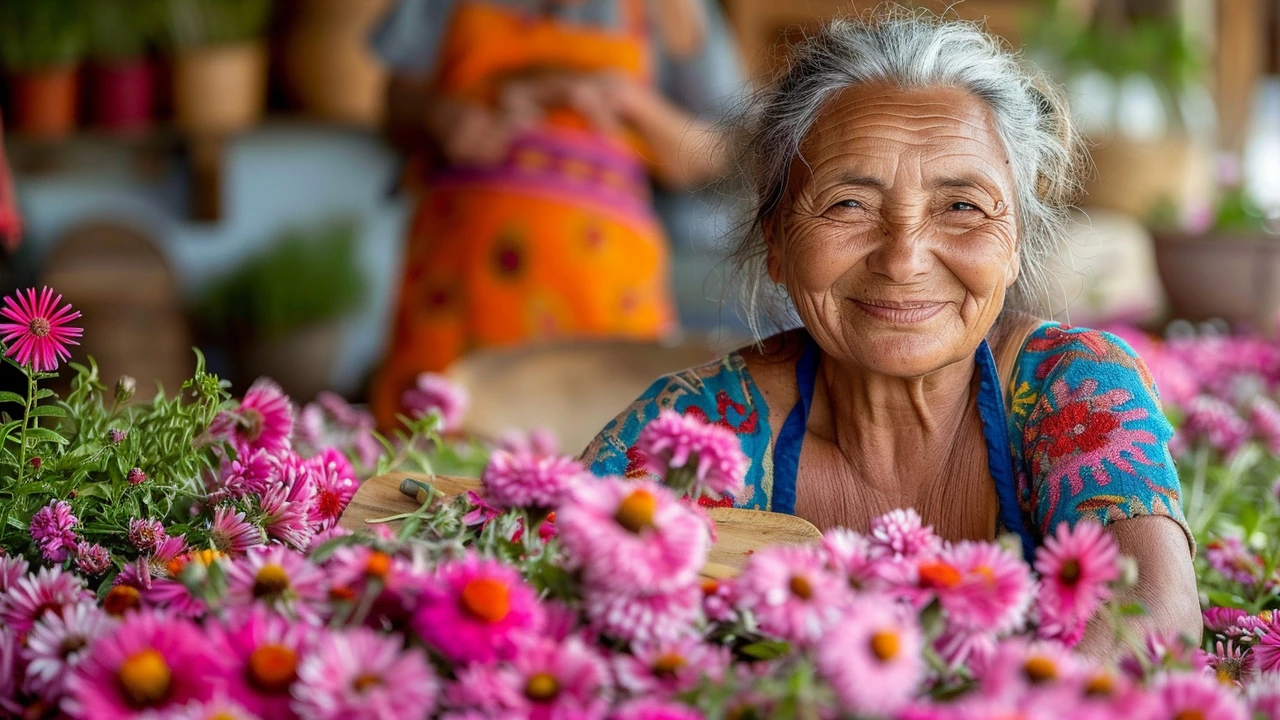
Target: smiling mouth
[{"x": 902, "y": 313}]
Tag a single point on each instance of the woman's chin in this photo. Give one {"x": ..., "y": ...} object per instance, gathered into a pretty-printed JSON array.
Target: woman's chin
[{"x": 909, "y": 354}]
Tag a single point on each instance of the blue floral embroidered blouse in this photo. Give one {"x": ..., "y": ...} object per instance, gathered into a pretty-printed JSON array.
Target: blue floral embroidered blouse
[{"x": 1087, "y": 437}]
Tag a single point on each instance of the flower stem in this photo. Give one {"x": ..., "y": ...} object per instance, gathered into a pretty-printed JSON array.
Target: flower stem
[{"x": 26, "y": 419}]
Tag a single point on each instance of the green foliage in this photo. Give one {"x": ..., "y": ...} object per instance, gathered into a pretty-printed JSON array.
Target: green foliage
[
  {"x": 37, "y": 34},
  {"x": 1238, "y": 213},
  {"x": 204, "y": 23},
  {"x": 123, "y": 29},
  {"x": 303, "y": 278}
]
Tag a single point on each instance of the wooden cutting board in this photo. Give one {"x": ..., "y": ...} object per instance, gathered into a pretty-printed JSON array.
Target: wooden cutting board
[{"x": 739, "y": 532}]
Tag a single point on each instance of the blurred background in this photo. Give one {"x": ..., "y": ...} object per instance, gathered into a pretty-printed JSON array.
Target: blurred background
[{"x": 225, "y": 174}]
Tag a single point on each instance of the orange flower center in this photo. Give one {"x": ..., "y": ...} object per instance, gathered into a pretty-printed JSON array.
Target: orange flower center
[
  {"x": 175, "y": 566},
  {"x": 39, "y": 327},
  {"x": 1070, "y": 573},
  {"x": 986, "y": 573},
  {"x": 1040, "y": 669},
  {"x": 1188, "y": 714},
  {"x": 636, "y": 511},
  {"x": 938, "y": 575},
  {"x": 800, "y": 587},
  {"x": 271, "y": 581},
  {"x": 378, "y": 565},
  {"x": 341, "y": 593},
  {"x": 121, "y": 599},
  {"x": 1100, "y": 685},
  {"x": 272, "y": 668},
  {"x": 541, "y": 687},
  {"x": 486, "y": 599},
  {"x": 366, "y": 682},
  {"x": 885, "y": 645},
  {"x": 710, "y": 586},
  {"x": 144, "y": 678},
  {"x": 669, "y": 664}
]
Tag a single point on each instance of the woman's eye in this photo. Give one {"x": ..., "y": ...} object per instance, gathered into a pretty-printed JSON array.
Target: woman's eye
[
  {"x": 847, "y": 204},
  {"x": 963, "y": 206}
]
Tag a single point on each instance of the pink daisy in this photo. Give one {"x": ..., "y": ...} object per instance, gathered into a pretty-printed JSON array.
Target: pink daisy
[
  {"x": 476, "y": 609},
  {"x": 1229, "y": 663},
  {"x": 559, "y": 679},
  {"x": 56, "y": 645},
  {"x": 1198, "y": 696},
  {"x": 904, "y": 534},
  {"x": 643, "y": 618},
  {"x": 146, "y": 534},
  {"x": 651, "y": 709},
  {"x": 248, "y": 474},
  {"x": 148, "y": 662},
  {"x": 851, "y": 554},
  {"x": 1264, "y": 416},
  {"x": 361, "y": 673},
  {"x": 538, "y": 441},
  {"x": 48, "y": 592},
  {"x": 1076, "y": 567},
  {"x": 288, "y": 505},
  {"x": 531, "y": 481},
  {"x": 262, "y": 421},
  {"x": 1019, "y": 665},
  {"x": 791, "y": 593},
  {"x": 693, "y": 456},
  {"x": 1222, "y": 619},
  {"x": 10, "y": 664},
  {"x": 335, "y": 485},
  {"x": 219, "y": 708},
  {"x": 263, "y": 654},
  {"x": 434, "y": 393},
  {"x": 957, "y": 648},
  {"x": 490, "y": 690},
  {"x": 1231, "y": 559},
  {"x": 670, "y": 667},
  {"x": 1263, "y": 695},
  {"x": 230, "y": 533},
  {"x": 38, "y": 334},
  {"x": 1213, "y": 420},
  {"x": 872, "y": 657},
  {"x": 12, "y": 569},
  {"x": 91, "y": 558},
  {"x": 51, "y": 530},
  {"x": 1266, "y": 653},
  {"x": 279, "y": 578},
  {"x": 632, "y": 536},
  {"x": 994, "y": 592}
]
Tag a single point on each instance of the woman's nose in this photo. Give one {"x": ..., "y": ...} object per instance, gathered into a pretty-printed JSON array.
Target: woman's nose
[{"x": 901, "y": 253}]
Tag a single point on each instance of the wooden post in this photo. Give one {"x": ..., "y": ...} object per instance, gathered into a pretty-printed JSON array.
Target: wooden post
[{"x": 1240, "y": 41}]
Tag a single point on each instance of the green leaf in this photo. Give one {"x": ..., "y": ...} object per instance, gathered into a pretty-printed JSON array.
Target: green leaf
[
  {"x": 12, "y": 397},
  {"x": 765, "y": 649},
  {"x": 46, "y": 435},
  {"x": 48, "y": 411},
  {"x": 1132, "y": 610},
  {"x": 1222, "y": 598}
]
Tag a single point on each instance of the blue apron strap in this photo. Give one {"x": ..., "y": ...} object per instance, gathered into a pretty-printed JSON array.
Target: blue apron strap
[
  {"x": 995, "y": 430},
  {"x": 786, "y": 451}
]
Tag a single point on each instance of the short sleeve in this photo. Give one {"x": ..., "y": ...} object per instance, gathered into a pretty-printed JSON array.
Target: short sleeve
[
  {"x": 722, "y": 393},
  {"x": 409, "y": 36},
  {"x": 1094, "y": 440},
  {"x": 709, "y": 83}
]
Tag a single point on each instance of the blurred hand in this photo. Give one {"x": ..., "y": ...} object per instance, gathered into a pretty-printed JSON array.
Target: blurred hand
[
  {"x": 597, "y": 97},
  {"x": 470, "y": 134}
]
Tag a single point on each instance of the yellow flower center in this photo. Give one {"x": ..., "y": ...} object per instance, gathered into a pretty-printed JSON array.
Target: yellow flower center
[
  {"x": 800, "y": 587},
  {"x": 120, "y": 599},
  {"x": 366, "y": 682},
  {"x": 272, "y": 668},
  {"x": 1100, "y": 685},
  {"x": 144, "y": 678},
  {"x": 1040, "y": 669},
  {"x": 223, "y": 715},
  {"x": 1069, "y": 575},
  {"x": 1224, "y": 676},
  {"x": 885, "y": 645},
  {"x": 39, "y": 327},
  {"x": 541, "y": 687},
  {"x": 378, "y": 565},
  {"x": 668, "y": 664},
  {"x": 271, "y": 581},
  {"x": 636, "y": 511},
  {"x": 486, "y": 599},
  {"x": 986, "y": 573}
]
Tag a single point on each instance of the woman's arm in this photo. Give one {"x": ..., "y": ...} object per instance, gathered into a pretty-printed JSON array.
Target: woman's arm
[
  {"x": 463, "y": 132},
  {"x": 685, "y": 151}
]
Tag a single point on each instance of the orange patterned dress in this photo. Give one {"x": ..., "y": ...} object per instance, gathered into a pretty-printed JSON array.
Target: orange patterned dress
[{"x": 559, "y": 240}]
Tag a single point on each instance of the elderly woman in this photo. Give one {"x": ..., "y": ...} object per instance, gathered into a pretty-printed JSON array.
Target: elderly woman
[{"x": 909, "y": 179}]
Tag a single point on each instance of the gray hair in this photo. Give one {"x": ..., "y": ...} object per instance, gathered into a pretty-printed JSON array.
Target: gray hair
[{"x": 909, "y": 49}]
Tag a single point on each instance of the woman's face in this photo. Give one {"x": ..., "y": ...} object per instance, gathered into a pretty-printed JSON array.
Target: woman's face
[{"x": 897, "y": 238}]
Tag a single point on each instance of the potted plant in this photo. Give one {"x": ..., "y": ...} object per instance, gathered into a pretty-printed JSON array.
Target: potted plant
[
  {"x": 281, "y": 312},
  {"x": 327, "y": 67},
  {"x": 41, "y": 44},
  {"x": 219, "y": 63},
  {"x": 123, "y": 77}
]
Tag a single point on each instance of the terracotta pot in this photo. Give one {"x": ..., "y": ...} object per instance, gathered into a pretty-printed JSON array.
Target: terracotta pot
[
  {"x": 1235, "y": 278},
  {"x": 44, "y": 102},
  {"x": 328, "y": 69},
  {"x": 300, "y": 361},
  {"x": 220, "y": 90},
  {"x": 122, "y": 93}
]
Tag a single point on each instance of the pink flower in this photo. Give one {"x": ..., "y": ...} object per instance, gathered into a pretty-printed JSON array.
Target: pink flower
[
  {"x": 91, "y": 558},
  {"x": 1235, "y": 562},
  {"x": 56, "y": 645},
  {"x": 852, "y": 555},
  {"x": 219, "y": 708},
  {"x": 791, "y": 593},
  {"x": 904, "y": 534},
  {"x": 476, "y": 610},
  {"x": 48, "y": 592},
  {"x": 12, "y": 569},
  {"x": 148, "y": 662},
  {"x": 559, "y": 679},
  {"x": 1267, "y": 652},
  {"x": 669, "y": 667},
  {"x": 1264, "y": 697},
  {"x": 335, "y": 485},
  {"x": 1200, "y": 696},
  {"x": 146, "y": 535},
  {"x": 262, "y": 421},
  {"x": 38, "y": 335},
  {"x": 434, "y": 393},
  {"x": 278, "y": 577},
  {"x": 994, "y": 590},
  {"x": 1216, "y": 422},
  {"x": 632, "y": 536},
  {"x": 136, "y": 476},
  {"x": 1229, "y": 663},
  {"x": 331, "y": 423},
  {"x": 263, "y": 654},
  {"x": 51, "y": 529},
  {"x": 651, "y": 709},
  {"x": 1076, "y": 566},
  {"x": 526, "y": 480},
  {"x": 643, "y": 618},
  {"x": 230, "y": 533},
  {"x": 1264, "y": 416},
  {"x": 361, "y": 673},
  {"x": 252, "y": 473},
  {"x": 872, "y": 657},
  {"x": 1222, "y": 619},
  {"x": 288, "y": 505},
  {"x": 1018, "y": 666},
  {"x": 488, "y": 690},
  {"x": 710, "y": 453},
  {"x": 538, "y": 441}
]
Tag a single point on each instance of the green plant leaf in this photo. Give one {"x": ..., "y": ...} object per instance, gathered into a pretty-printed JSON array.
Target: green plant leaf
[{"x": 765, "y": 649}]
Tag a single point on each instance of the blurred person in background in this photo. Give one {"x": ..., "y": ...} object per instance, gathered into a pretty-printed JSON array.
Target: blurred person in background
[{"x": 534, "y": 129}]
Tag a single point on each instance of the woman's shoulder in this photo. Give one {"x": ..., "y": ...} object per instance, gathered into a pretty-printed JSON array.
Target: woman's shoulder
[{"x": 1053, "y": 350}]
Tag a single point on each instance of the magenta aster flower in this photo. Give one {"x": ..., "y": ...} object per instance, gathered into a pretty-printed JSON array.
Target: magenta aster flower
[
  {"x": 994, "y": 592},
  {"x": 1076, "y": 567},
  {"x": 490, "y": 690},
  {"x": 632, "y": 536},
  {"x": 263, "y": 654},
  {"x": 559, "y": 679},
  {"x": 1198, "y": 696},
  {"x": 146, "y": 534},
  {"x": 710, "y": 453},
  {"x": 538, "y": 441},
  {"x": 360, "y": 674},
  {"x": 433, "y": 393},
  {"x": 136, "y": 476},
  {"x": 1019, "y": 665},
  {"x": 279, "y": 578},
  {"x": 262, "y": 421},
  {"x": 1214, "y": 421},
  {"x": 643, "y": 617},
  {"x": 1264, "y": 697},
  {"x": 149, "y": 662},
  {"x": 288, "y": 514},
  {"x": 872, "y": 657},
  {"x": 1266, "y": 653},
  {"x": 335, "y": 485},
  {"x": 10, "y": 664},
  {"x": 791, "y": 593},
  {"x": 669, "y": 667},
  {"x": 1229, "y": 663},
  {"x": 12, "y": 568},
  {"x": 1222, "y": 619},
  {"x": 48, "y": 592},
  {"x": 51, "y": 530},
  {"x": 526, "y": 480},
  {"x": 904, "y": 534},
  {"x": 91, "y": 558},
  {"x": 852, "y": 554},
  {"x": 219, "y": 708},
  {"x": 1230, "y": 558},
  {"x": 56, "y": 645},
  {"x": 37, "y": 335},
  {"x": 475, "y": 610},
  {"x": 1264, "y": 416},
  {"x": 231, "y": 533},
  {"x": 652, "y": 709},
  {"x": 249, "y": 474}
]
